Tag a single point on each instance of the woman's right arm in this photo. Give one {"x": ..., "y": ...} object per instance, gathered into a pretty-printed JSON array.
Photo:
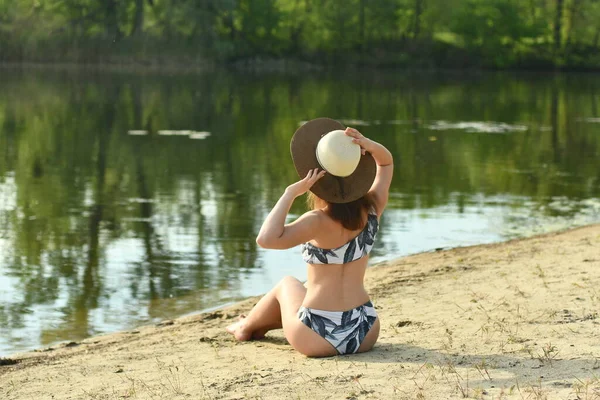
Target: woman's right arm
[
  {"x": 385, "y": 167},
  {"x": 274, "y": 233}
]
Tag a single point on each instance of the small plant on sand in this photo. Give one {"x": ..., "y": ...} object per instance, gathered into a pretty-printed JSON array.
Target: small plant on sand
[
  {"x": 502, "y": 346},
  {"x": 90, "y": 395},
  {"x": 485, "y": 330},
  {"x": 513, "y": 339},
  {"x": 131, "y": 390},
  {"x": 13, "y": 387},
  {"x": 363, "y": 391},
  {"x": 520, "y": 292},
  {"x": 542, "y": 275},
  {"x": 588, "y": 389},
  {"x": 549, "y": 353},
  {"x": 503, "y": 395},
  {"x": 449, "y": 343},
  {"x": 172, "y": 374},
  {"x": 527, "y": 349},
  {"x": 461, "y": 384},
  {"x": 536, "y": 392},
  {"x": 451, "y": 375},
  {"x": 482, "y": 368},
  {"x": 205, "y": 394},
  {"x": 215, "y": 348},
  {"x": 478, "y": 297},
  {"x": 423, "y": 375},
  {"x": 594, "y": 296},
  {"x": 478, "y": 393},
  {"x": 174, "y": 379}
]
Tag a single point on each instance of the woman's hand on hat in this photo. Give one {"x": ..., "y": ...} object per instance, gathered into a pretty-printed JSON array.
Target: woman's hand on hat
[
  {"x": 304, "y": 185},
  {"x": 359, "y": 139}
]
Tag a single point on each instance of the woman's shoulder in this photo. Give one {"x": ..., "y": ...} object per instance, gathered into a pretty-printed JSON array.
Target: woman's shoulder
[
  {"x": 321, "y": 221},
  {"x": 318, "y": 213},
  {"x": 314, "y": 217}
]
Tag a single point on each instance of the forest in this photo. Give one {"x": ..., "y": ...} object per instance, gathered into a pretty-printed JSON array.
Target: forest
[{"x": 495, "y": 34}]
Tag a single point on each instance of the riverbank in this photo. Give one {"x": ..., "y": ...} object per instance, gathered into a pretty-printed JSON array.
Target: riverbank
[{"x": 510, "y": 320}]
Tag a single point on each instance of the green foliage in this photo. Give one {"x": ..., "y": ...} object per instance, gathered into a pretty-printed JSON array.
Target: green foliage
[
  {"x": 494, "y": 30},
  {"x": 491, "y": 33}
]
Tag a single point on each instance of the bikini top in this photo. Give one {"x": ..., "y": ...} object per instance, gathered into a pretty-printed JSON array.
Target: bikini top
[{"x": 355, "y": 249}]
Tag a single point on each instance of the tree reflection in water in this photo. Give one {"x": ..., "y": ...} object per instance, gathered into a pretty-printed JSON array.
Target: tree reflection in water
[{"x": 100, "y": 230}]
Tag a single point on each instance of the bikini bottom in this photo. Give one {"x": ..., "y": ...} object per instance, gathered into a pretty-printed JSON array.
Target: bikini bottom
[{"x": 344, "y": 330}]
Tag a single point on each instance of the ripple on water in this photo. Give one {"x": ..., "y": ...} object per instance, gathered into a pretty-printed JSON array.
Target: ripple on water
[
  {"x": 166, "y": 132},
  {"x": 468, "y": 126},
  {"x": 477, "y": 126},
  {"x": 199, "y": 135},
  {"x": 140, "y": 200},
  {"x": 355, "y": 122}
]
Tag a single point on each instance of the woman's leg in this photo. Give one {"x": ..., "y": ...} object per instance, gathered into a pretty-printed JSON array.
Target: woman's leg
[
  {"x": 279, "y": 309},
  {"x": 285, "y": 298}
]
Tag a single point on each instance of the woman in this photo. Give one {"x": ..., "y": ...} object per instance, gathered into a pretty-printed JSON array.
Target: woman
[{"x": 331, "y": 313}]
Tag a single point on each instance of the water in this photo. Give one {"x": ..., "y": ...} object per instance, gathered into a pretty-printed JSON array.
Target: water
[{"x": 129, "y": 198}]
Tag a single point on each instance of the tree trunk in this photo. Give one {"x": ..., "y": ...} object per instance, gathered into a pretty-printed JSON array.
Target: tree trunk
[
  {"x": 361, "y": 28},
  {"x": 138, "y": 19},
  {"x": 112, "y": 23},
  {"x": 558, "y": 24},
  {"x": 340, "y": 26},
  {"x": 418, "y": 12},
  {"x": 229, "y": 23},
  {"x": 573, "y": 11}
]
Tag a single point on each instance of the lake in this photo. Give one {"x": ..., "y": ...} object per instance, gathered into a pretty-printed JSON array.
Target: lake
[{"x": 129, "y": 198}]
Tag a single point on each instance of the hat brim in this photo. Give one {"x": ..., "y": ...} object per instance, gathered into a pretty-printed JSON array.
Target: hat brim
[{"x": 330, "y": 188}]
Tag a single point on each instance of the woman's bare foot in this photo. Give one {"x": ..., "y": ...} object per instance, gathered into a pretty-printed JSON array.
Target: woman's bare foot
[{"x": 238, "y": 329}]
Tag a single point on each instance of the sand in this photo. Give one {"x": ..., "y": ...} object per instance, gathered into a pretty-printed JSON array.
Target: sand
[{"x": 515, "y": 320}]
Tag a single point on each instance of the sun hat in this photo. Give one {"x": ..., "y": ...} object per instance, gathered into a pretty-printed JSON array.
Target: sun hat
[{"x": 321, "y": 143}]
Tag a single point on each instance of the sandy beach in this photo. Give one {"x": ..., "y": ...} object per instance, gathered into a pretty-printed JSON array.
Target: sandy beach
[{"x": 514, "y": 320}]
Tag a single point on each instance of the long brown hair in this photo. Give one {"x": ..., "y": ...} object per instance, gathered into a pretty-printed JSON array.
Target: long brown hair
[{"x": 348, "y": 214}]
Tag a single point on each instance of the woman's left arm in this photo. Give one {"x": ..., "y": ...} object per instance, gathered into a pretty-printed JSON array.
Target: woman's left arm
[{"x": 274, "y": 234}]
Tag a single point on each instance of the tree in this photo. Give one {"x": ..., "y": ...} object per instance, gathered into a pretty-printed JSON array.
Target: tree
[{"x": 558, "y": 25}]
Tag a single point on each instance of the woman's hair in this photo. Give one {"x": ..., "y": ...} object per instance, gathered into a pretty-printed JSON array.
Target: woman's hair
[{"x": 348, "y": 214}]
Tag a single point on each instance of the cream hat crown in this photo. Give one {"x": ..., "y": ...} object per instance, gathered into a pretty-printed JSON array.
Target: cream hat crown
[
  {"x": 332, "y": 188},
  {"x": 337, "y": 154}
]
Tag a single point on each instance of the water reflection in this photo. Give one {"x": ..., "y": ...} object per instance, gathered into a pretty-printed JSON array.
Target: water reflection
[{"x": 103, "y": 229}]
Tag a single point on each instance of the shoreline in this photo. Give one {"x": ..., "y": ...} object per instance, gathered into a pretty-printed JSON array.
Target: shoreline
[
  {"x": 275, "y": 65},
  {"x": 502, "y": 320},
  {"x": 241, "y": 300}
]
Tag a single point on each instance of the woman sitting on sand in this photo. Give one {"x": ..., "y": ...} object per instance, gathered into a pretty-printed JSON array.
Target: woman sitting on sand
[{"x": 331, "y": 313}]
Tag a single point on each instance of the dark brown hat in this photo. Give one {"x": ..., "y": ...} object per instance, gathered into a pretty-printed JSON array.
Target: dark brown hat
[{"x": 333, "y": 189}]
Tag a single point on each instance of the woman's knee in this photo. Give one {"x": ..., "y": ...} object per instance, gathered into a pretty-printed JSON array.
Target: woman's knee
[{"x": 289, "y": 280}]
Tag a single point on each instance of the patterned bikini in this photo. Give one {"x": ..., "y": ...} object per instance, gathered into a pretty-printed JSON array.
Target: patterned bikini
[{"x": 344, "y": 330}]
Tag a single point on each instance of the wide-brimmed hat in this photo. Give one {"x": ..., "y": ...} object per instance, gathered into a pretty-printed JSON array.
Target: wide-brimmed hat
[{"x": 321, "y": 143}]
